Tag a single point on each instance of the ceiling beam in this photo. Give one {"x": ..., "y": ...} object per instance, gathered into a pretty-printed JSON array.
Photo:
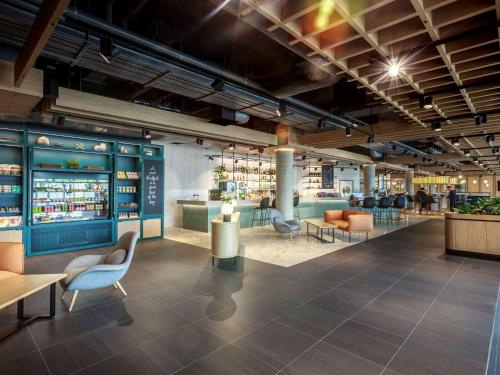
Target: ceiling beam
[{"x": 40, "y": 32}]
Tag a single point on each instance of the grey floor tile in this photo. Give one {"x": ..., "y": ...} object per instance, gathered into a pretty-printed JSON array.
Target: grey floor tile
[
  {"x": 16, "y": 345},
  {"x": 85, "y": 350},
  {"x": 368, "y": 342},
  {"x": 181, "y": 347},
  {"x": 415, "y": 358},
  {"x": 339, "y": 303},
  {"x": 312, "y": 321},
  {"x": 229, "y": 361},
  {"x": 327, "y": 359},
  {"x": 275, "y": 344},
  {"x": 130, "y": 362},
  {"x": 29, "y": 364},
  {"x": 466, "y": 344}
]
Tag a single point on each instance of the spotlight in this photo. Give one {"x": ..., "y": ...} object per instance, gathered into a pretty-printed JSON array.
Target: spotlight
[
  {"x": 106, "y": 49},
  {"x": 261, "y": 150},
  {"x": 460, "y": 175},
  {"x": 260, "y": 164},
  {"x": 467, "y": 152},
  {"x": 231, "y": 146},
  {"x": 304, "y": 156},
  {"x": 371, "y": 139},
  {"x": 350, "y": 164},
  {"x": 211, "y": 158},
  {"x": 393, "y": 69},
  {"x": 348, "y": 131},
  {"x": 146, "y": 133},
  {"x": 415, "y": 155},
  {"x": 455, "y": 141},
  {"x": 342, "y": 169},
  {"x": 480, "y": 119},
  {"x": 218, "y": 85},
  {"x": 320, "y": 160},
  {"x": 235, "y": 161},
  {"x": 355, "y": 169},
  {"x": 59, "y": 120},
  {"x": 199, "y": 141},
  {"x": 426, "y": 101},
  {"x": 490, "y": 138},
  {"x": 495, "y": 150},
  {"x": 436, "y": 126},
  {"x": 303, "y": 168},
  {"x": 281, "y": 110},
  {"x": 321, "y": 123},
  {"x": 474, "y": 159}
]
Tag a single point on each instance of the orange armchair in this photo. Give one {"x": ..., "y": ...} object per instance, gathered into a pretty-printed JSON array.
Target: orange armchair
[
  {"x": 350, "y": 221},
  {"x": 11, "y": 259}
]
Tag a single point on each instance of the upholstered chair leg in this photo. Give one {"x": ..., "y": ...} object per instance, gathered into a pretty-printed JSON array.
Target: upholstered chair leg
[
  {"x": 73, "y": 300},
  {"x": 121, "y": 288}
]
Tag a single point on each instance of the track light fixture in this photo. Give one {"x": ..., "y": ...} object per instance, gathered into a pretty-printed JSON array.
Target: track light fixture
[
  {"x": 211, "y": 158},
  {"x": 426, "y": 101},
  {"x": 281, "y": 110},
  {"x": 495, "y": 150},
  {"x": 371, "y": 138},
  {"x": 455, "y": 141},
  {"x": 320, "y": 160},
  {"x": 199, "y": 141},
  {"x": 467, "y": 152},
  {"x": 235, "y": 161},
  {"x": 303, "y": 168},
  {"x": 218, "y": 85},
  {"x": 231, "y": 146},
  {"x": 490, "y": 138},
  {"x": 480, "y": 119},
  {"x": 348, "y": 132},
  {"x": 342, "y": 169},
  {"x": 260, "y": 164},
  {"x": 321, "y": 123},
  {"x": 146, "y": 133},
  {"x": 436, "y": 126},
  {"x": 304, "y": 156}
]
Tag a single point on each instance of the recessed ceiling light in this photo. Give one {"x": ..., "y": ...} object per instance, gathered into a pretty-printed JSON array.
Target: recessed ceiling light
[
  {"x": 456, "y": 141},
  {"x": 436, "y": 126},
  {"x": 426, "y": 101},
  {"x": 467, "y": 152}
]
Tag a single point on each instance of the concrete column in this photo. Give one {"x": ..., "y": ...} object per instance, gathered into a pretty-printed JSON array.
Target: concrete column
[
  {"x": 368, "y": 179},
  {"x": 410, "y": 188},
  {"x": 284, "y": 182}
]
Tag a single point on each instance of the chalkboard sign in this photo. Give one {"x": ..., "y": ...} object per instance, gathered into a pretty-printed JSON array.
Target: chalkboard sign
[
  {"x": 327, "y": 177},
  {"x": 153, "y": 186}
]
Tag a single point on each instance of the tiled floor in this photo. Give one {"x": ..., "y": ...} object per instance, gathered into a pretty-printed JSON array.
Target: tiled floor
[
  {"x": 263, "y": 244},
  {"x": 393, "y": 305}
]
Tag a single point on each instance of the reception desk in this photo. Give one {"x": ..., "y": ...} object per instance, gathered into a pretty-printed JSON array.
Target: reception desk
[{"x": 198, "y": 215}]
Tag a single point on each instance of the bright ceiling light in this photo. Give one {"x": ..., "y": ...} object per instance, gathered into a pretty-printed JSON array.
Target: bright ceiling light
[
  {"x": 324, "y": 12},
  {"x": 394, "y": 69}
]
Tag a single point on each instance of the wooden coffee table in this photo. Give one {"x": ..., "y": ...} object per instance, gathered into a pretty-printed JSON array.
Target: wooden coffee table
[
  {"x": 17, "y": 287},
  {"x": 321, "y": 226}
]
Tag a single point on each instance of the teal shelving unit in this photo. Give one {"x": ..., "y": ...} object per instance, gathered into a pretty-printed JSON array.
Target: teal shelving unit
[{"x": 74, "y": 178}]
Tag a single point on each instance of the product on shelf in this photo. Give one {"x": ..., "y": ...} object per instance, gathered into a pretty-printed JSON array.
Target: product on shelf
[
  {"x": 12, "y": 209},
  {"x": 128, "y": 215},
  {"x": 49, "y": 165},
  {"x": 11, "y": 221},
  {"x": 12, "y": 169},
  {"x": 123, "y": 175},
  {"x": 127, "y": 189},
  {"x": 129, "y": 205},
  {"x": 10, "y": 188}
]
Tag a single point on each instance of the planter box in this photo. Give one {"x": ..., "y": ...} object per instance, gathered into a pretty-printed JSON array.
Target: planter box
[{"x": 473, "y": 234}]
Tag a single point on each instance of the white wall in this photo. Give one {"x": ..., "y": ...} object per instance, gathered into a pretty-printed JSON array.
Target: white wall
[{"x": 187, "y": 172}]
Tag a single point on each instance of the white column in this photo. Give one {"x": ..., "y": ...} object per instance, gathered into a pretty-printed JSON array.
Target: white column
[
  {"x": 368, "y": 179},
  {"x": 410, "y": 188},
  {"x": 284, "y": 182}
]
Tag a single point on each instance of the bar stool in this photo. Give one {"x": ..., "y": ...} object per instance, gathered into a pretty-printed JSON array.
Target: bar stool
[
  {"x": 273, "y": 205},
  {"x": 296, "y": 207},
  {"x": 263, "y": 211},
  {"x": 411, "y": 202},
  {"x": 384, "y": 208},
  {"x": 399, "y": 205},
  {"x": 368, "y": 204}
]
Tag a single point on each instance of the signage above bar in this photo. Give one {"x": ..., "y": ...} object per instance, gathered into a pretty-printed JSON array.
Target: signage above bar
[{"x": 440, "y": 180}]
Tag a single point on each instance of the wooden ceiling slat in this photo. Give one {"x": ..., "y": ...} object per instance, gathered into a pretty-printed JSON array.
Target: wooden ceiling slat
[{"x": 452, "y": 13}]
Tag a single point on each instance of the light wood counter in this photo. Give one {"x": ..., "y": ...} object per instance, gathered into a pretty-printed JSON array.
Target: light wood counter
[{"x": 474, "y": 234}]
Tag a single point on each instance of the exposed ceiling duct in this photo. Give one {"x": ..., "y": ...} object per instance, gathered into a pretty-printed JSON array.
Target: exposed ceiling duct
[{"x": 155, "y": 65}]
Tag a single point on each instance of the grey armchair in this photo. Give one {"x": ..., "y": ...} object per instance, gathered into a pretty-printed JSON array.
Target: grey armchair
[
  {"x": 89, "y": 272},
  {"x": 281, "y": 225}
]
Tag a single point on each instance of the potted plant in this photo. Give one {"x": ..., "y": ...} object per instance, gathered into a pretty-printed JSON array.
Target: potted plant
[
  {"x": 482, "y": 206},
  {"x": 73, "y": 164},
  {"x": 221, "y": 172},
  {"x": 346, "y": 190}
]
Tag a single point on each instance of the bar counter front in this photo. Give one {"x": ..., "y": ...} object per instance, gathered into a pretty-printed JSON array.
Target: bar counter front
[{"x": 198, "y": 214}]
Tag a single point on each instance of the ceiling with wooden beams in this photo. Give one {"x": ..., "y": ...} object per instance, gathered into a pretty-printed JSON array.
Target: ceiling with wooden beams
[{"x": 448, "y": 49}]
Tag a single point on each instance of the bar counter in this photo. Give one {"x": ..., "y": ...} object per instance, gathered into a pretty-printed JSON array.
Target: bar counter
[{"x": 198, "y": 214}]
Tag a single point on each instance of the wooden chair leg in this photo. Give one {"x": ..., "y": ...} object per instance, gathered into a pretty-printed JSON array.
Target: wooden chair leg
[
  {"x": 114, "y": 284},
  {"x": 73, "y": 300},
  {"x": 121, "y": 288},
  {"x": 62, "y": 294}
]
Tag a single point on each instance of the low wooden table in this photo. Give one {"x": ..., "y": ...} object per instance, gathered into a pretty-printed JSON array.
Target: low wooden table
[
  {"x": 17, "y": 287},
  {"x": 321, "y": 226}
]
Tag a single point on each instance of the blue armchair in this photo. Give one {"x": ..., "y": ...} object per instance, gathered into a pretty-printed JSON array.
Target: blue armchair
[
  {"x": 281, "y": 225},
  {"x": 89, "y": 272}
]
